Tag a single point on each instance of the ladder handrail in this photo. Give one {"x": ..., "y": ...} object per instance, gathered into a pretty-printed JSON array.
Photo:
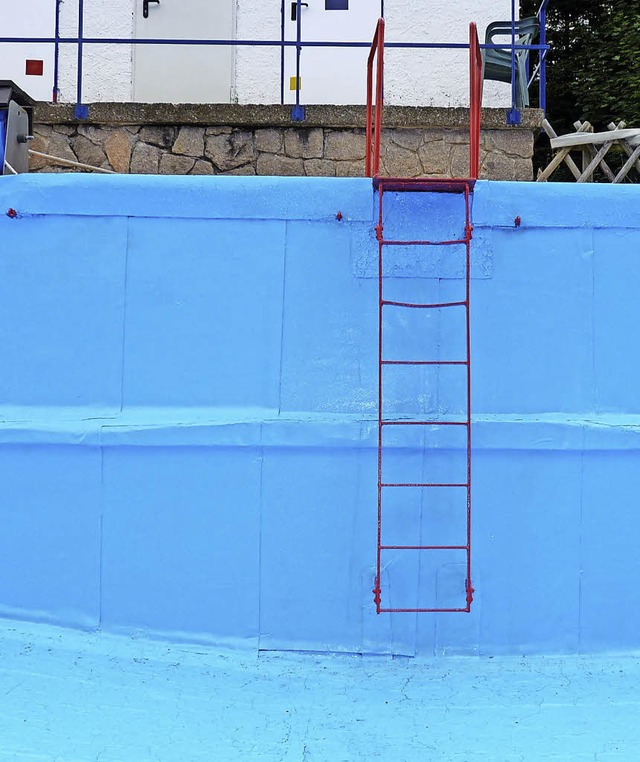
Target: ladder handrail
[
  {"x": 375, "y": 106},
  {"x": 475, "y": 100},
  {"x": 372, "y": 160}
]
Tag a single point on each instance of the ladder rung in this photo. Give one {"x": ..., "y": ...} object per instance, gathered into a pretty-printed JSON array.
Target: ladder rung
[
  {"x": 409, "y": 484},
  {"x": 424, "y": 423},
  {"x": 424, "y": 611},
  {"x": 424, "y": 547},
  {"x": 417, "y": 184},
  {"x": 424, "y": 362},
  {"x": 422, "y": 306},
  {"x": 455, "y": 242}
]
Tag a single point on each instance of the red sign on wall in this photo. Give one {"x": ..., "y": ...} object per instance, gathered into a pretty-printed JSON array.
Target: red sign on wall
[{"x": 34, "y": 68}]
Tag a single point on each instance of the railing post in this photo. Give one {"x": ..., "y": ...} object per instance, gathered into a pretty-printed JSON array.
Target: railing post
[
  {"x": 297, "y": 112},
  {"x": 513, "y": 116},
  {"x": 282, "y": 58},
  {"x": 56, "y": 54},
  {"x": 543, "y": 57},
  {"x": 80, "y": 111}
]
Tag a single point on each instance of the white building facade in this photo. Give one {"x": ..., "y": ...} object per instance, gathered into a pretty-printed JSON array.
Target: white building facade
[{"x": 263, "y": 74}]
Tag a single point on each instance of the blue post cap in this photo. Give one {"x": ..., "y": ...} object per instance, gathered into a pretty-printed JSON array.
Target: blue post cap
[
  {"x": 81, "y": 111},
  {"x": 513, "y": 116},
  {"x": 297, "y": 114}
]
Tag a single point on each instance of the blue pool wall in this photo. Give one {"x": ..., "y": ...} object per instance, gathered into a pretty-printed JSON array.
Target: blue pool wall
[{"x": 188, "y": 406}]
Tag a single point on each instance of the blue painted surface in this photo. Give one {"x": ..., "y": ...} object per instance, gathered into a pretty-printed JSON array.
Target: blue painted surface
[
  {"x": 188, "y": 421},
  {"x": 85, "y": 696}
]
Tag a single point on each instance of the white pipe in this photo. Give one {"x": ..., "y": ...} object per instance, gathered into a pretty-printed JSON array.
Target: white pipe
[{"x": 70, "y": 163}]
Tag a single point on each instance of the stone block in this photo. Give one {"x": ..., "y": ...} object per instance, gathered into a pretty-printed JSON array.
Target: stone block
[
  {"x": 455, "y": 137},
  {"x": 498, "y": 166},
  {"x": 523, "y": 169},
  {"x": 202, "y": 167},
  {"x": 162, "y": 136},
  {"x": 172, "y": 164},
  {"x": 218, "y": 131},
  {"x": 518, "y": 143},
  {"x": 145, "y": 159},
  {"x": 279, "y": 165},
  {"x": 95, "y": 134},
  {"x": 57, "y": 169},
  {"x": 190, "y": 142},
  {"x": 118, "y": 150},
  {"x": 409, "y": 139},
  {"x": 247, "y": 169},
  {"x": 400, "y": 162},
  {"x": 304, "y": 143},
  {"x": 39, "y": 143},
  {"x": 270, "y": 141},
  {"x": 432, "y": 135},
  {"x": 56, "y": 145},
  {"x": 230, "y": 151},
  {"x": 459, "y": 160},
  {"x": 435, "y": 158},
  {"x": 345, "y": 146},
  {"x": 350, "y": 168},
  {"x": 320, "y": 168},
  {"x": 88, "y": 152},
  {"x": 43, "y": 130}
]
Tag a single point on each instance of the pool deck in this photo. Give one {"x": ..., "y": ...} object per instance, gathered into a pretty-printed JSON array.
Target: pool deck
[{"x": 68, "y": 696}]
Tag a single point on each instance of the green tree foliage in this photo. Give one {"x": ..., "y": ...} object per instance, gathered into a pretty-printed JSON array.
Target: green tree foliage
[
  {"x": 609, "y": 83},
  {"x": 594, "y": 62}
]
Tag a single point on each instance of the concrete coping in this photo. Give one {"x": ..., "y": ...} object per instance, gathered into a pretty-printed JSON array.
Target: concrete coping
[{"x": 234, "y": 115}]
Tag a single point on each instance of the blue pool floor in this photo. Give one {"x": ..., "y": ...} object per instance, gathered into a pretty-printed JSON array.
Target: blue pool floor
[{"x": 74, "y": 697}]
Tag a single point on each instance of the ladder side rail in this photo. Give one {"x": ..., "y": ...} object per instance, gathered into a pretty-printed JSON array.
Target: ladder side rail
[
  {"x": 468, "y": 235},
  {"x": 379, "y": 236},
  {"x": 475, "y": 101},
  {"x": 374, "y": 107}
]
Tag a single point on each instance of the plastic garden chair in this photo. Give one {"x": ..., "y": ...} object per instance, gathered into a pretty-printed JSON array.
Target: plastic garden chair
[{"x": 496, "y": 63}]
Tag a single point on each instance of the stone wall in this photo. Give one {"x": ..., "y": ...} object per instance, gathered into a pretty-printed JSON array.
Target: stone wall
[{"x": 236, "y": 140}]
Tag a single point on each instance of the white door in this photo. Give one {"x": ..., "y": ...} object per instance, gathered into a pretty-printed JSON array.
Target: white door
[
  {"x": 330, "y": 75},
  {"x": 184, "y": 73},
  {"x": 30, "y": 64}
]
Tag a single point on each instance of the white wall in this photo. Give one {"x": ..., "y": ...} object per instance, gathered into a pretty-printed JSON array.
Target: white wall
[
  {"x": 437, "y": 77},
  {"x": 258, "y": 69},
  {"x": 412, "y": 77},
  {"x": 29, "y": 18},
  {"x": 108, "y": 69}
]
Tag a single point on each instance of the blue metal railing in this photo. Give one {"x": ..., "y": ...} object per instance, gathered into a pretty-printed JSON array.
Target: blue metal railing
[
  {"x": 542, "y": 64},
  {"x": 81, "y": 110},
  {"x": 297, "y": 112},
  {"x": 513, "y": 116}
]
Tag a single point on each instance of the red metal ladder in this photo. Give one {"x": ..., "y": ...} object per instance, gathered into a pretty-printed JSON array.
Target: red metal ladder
[
  {"x": 396, "y": 185},
  {"x": 404, "y": 185}
]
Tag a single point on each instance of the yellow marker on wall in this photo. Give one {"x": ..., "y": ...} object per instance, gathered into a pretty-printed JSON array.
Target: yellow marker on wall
[{"x": 292, "y": 83}]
